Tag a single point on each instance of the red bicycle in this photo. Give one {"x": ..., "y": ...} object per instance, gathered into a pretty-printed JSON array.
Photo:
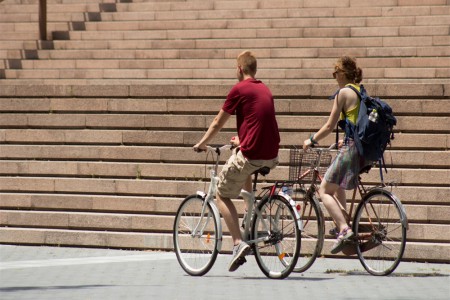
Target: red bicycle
[{"x": 379, "y": 221}]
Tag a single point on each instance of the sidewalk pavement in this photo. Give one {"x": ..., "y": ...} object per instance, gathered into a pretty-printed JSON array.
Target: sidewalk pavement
[{"x": 28, "y": 272}]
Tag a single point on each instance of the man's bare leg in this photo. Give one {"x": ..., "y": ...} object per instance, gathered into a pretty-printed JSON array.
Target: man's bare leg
[{"x": 229, "y": 214}]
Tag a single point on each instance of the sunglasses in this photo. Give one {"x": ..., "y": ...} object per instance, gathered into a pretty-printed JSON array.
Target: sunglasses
[{"x": 335, "y": 73}]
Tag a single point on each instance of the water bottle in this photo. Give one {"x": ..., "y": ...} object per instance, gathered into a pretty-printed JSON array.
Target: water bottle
[
  {"x": 287, "y": 190},
  {"x": 373, "y": 116}
]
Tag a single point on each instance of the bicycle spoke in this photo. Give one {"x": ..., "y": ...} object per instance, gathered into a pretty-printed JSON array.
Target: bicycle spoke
[
  {"x": 277, "y": 253},
  {"x": 195, "y": 237},
  {"x": 313, "y": 229},
  {"x": 381, "y": 233}
]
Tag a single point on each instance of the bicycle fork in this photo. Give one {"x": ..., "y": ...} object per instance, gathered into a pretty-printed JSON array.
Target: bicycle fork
[{"x": 209, "y": 199}]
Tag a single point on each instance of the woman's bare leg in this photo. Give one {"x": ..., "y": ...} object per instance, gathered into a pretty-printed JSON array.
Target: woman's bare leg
[{"x": 335, "y": 206}]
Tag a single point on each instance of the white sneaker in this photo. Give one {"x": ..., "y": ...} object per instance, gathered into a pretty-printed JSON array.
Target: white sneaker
[{"x": 239, "y": 253}]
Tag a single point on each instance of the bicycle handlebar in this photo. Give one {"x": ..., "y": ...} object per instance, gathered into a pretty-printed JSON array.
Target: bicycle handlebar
[
  {"x": 332, "y": 147},
  {"x": 220, "y": 148},
  {"x": 216, "y": 149}
]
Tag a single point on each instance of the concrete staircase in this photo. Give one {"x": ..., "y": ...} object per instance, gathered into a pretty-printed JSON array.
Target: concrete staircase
[
  {"x": 97, "y": 123},
  {"x": 175, "y": 41}
]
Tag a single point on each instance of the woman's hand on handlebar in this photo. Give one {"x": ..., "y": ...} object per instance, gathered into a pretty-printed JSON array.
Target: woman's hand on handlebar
[
  {"x": 307, "y": 144},
  {"x": 199, "y": 147}
]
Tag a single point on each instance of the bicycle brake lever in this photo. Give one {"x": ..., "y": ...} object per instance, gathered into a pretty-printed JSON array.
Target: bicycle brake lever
[{"x": 333, "y": 146}]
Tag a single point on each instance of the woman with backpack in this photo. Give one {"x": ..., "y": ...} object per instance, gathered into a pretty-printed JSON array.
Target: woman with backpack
[{"x": 344, "y": 170}]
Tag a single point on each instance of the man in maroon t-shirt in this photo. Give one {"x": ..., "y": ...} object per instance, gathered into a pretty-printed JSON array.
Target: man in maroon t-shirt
[{"x": 252, "y": 103}]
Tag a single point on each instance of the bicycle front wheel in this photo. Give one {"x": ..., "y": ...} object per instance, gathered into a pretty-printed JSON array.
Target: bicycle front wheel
[
  {"x": 196, "y": 236},
  {"x": 276, "y": 232},
  {"x": 380, "y": 226},
  {"x": 312, "y": 231}
]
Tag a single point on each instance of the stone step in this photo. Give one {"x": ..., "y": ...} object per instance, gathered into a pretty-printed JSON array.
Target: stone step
[
  {"x": 325, "y": 48},
  {"x": 267, "y": 27},
  {"x": 430, "y": 252},
  {"x": 181, "y": 137},
  {"x": 139, "y": 147},
  {"x": 84, "y": 111},
  {"x": 195, "y": 49},
  {"x": 200, "y": 10},
  {"x": 138, "y": 141},
  {"x": 153, "y": 187},
  {"x": 163, "y": 204},
  {"x": 386, "y": 73},
  {"x": 51, "y": 2},
  {"x": 53, "y": 86},
  {"x": 186, "y": 169},
  {"x": 314, "y": 65},
  {"x": 56, "y": 124},
  {"x": 158, "y": 223},
  {"x": 141, "y": 153},
  {"x": 202, "y": 89},
  {"x": 94, "y": 203},
  {"x": 194, "y": 6},
  {"x": 32, "y": 27},
  {"x": 18, "y": 36}
]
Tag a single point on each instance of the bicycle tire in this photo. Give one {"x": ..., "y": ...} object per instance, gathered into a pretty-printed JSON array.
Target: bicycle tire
[
  {"x": 196, "y": 253},
  {"x": 277, "y": 223},
  {"x": 312, "y": 232},
  {"x": 380, "y": 226}
]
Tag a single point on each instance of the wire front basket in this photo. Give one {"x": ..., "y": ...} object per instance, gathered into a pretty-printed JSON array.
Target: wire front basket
[{"x": 301, "y": 161}]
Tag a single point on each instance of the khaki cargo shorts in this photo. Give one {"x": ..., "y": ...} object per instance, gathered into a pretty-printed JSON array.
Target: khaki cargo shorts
[{"x": 235, "y": 172}]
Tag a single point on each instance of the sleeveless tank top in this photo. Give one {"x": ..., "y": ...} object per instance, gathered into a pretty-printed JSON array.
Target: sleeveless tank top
[{"x": 352, "y": 113}]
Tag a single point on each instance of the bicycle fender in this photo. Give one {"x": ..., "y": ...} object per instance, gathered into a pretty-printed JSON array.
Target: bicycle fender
[
  {"x": 201, "y": 194},
  {"x": 402, "y": 210}
]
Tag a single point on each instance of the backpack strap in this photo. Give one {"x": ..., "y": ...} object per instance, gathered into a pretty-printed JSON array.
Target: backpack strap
[
  {"x": 336, "y": 95},
  {"x": 345, "y": 124}
]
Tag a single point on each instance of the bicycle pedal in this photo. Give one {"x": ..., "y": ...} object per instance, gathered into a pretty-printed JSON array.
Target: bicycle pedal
[{"x": 348, "y": 241}]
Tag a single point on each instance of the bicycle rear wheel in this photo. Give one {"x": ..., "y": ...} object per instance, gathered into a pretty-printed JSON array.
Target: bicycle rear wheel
[
  {"x": 196, "y": 236},
  {"x": 380, "y": 226},
  {"x": 312, "y": 231},
  {"x": 275, "y": 226}
]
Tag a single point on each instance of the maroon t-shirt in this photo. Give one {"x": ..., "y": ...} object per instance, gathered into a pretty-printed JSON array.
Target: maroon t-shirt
[{"x": 252, "y": 103}]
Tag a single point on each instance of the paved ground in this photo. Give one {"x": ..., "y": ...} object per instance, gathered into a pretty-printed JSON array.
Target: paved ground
[{"x": 77, "y": 273}]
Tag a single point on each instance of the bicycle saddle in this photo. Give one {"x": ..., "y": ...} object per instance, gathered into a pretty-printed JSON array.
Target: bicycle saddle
[
  {"x": 263, "y": 171},
  {"x": 365, "y": 169}
]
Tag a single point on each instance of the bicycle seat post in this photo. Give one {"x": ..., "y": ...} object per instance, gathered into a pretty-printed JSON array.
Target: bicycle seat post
[{"x": 255, "y": 180}]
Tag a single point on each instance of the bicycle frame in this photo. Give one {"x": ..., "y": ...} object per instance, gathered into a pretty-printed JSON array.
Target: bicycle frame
[
  {"x": 247, "y": 196},
  {"x": 316, "y": 177},
  {"x": 253, "y": 211}
]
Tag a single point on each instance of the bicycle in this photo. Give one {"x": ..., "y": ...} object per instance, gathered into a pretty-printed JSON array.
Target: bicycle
[
  {"x": 379, "y": 222},
  {"x": 271, "y": 227}
]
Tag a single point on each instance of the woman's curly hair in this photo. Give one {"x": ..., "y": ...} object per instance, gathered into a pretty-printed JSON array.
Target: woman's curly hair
[{"x": 348, "y": 65}]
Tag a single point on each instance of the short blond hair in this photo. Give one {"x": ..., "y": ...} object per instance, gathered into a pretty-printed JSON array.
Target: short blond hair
[{"x": 247, "y": 61}]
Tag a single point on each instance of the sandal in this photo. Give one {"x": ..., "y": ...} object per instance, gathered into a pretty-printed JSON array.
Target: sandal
[{"x": 343, "y": 237}]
